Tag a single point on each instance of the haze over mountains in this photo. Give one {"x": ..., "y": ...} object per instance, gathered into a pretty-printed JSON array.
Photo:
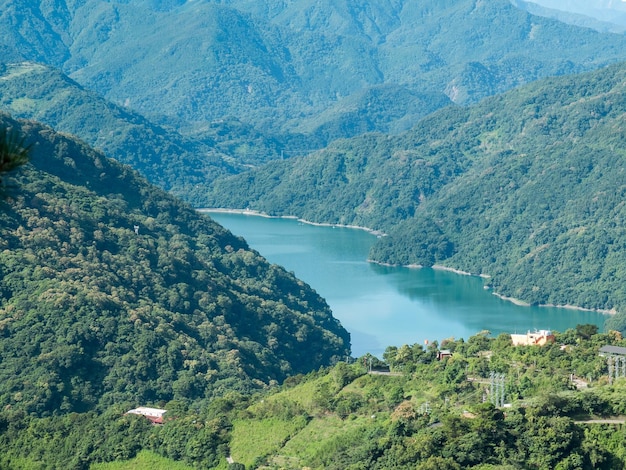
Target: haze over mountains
[{"x": 605, "y": 11}]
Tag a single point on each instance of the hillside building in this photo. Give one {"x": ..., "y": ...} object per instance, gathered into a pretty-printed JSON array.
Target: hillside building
[
  {"x": 537, "y": 338},
  {"x": 616, "y": 361},
  {"x": 443, "y": 354},
  {"x": 155, "y": 415},
  {"x": 612, "y": 351}
]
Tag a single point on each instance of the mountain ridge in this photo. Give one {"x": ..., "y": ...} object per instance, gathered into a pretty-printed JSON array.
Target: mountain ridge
[
  {"x": 176, "y": 163},
  {"x": 467, "y": 184},
  {"x": 278, "y": 67},
  {"x": 113, "y": 291}
]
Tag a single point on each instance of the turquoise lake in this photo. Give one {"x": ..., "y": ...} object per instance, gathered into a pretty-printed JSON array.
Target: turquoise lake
[{"x": 382, "y": 306}]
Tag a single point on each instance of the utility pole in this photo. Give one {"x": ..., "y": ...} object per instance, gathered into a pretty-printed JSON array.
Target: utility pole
[
  {"x": 496, "y": 389},
  {"x": 616, "y": 366},
  {"x": 424, "y": 408}
]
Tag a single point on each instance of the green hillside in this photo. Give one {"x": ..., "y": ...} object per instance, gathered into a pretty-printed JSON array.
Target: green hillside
[
  {"x": 112, "y": 291},
  {"x": 485, "y": 405},
  {"x": 296, "y": 67},
  {"x": 526, "y": 187},
  {"x": 183, "y": 165},
  {"x": 227, "y": 87},
  {"x": 432, "y": 414},
  {"x": 178, "y": 164}
]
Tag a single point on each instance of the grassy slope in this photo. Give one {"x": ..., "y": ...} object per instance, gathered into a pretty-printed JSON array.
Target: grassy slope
[
  {"x": 145, "y": 460},
  {"x": 386, "y": 402},
  {"x": 430, "y": 415}
]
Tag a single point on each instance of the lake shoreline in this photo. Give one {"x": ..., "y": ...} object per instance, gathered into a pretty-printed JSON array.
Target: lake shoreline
[
  {"x": 522, "y": 303},
  {"x": 513, "y": 300},
  {"x": 256, "y": 213}
]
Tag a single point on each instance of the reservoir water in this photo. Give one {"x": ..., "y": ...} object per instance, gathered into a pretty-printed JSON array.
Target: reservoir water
[{"x": 382, "y": 306}]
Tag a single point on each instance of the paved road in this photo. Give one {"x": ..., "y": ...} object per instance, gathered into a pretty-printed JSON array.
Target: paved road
[{"x": 382, "y": 372}]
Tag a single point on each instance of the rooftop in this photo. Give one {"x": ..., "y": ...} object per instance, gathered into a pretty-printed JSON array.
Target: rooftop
[
  {"x": 613, "y": 350},
  {"x": 153, "y": 414}
]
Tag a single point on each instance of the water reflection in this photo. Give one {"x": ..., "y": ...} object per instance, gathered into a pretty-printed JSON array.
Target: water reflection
[{"x": 382, "y": 305}]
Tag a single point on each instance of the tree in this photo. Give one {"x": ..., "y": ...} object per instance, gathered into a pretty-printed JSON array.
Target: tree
[
  {"x": 616, "y": 322},
  {"x": 586, "y": 331},
  {"x": 439, "y": 463},
  {"x": 13, "y": 152}
]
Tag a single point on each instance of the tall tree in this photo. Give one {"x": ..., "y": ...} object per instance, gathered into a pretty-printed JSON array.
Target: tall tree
[{"x": 13, "y": 152}]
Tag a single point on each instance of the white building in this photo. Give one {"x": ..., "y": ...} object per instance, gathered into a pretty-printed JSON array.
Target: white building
[{"x": 153, "y": 414}]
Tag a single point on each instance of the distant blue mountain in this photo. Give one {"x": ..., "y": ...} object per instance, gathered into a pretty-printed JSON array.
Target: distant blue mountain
[{"x": 601, "y": 15}]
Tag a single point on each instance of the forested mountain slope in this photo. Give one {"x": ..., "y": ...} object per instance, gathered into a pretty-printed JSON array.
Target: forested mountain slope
[
  {"x": 112, "y": 291},
  {"x": 527, "y": 187},
  {"x": 178, "y": 164},
  {"x": 182, "y": 165},
  {"x": 283, "y": 66}
]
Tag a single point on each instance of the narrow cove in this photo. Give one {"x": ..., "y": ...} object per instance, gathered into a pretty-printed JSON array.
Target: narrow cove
[{"x": 381, "y": 305}]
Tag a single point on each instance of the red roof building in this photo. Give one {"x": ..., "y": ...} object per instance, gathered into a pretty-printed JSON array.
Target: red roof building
[{"x": 155, "y": 415}]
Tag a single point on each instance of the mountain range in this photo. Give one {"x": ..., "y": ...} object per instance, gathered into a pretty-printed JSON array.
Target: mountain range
[
  {"x": 411, "y": 61},
  {"x": 297, "y": 67},
  {"x": 189, "y": 93},
  {"x": 327, "y": 70},
  {"x": 604, "y": 14},
  {"x": 526, "y": 188},
  {"x": 180, "y": 165},
  {"x": 480, "y": 136}
]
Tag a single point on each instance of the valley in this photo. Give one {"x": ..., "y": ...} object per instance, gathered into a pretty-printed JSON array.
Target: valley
[
  {"x": 385, "y": 306},
  {"x": 541, "y": 215},
  {"x": 468, "y": 136}
]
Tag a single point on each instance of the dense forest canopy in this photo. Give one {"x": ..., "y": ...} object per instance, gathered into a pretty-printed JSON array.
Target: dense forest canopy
[
  {"x": 182, "y": 166},
  {"x": 222, "y": 87},
  {"x": 526, "y": 187},
  {"x": 112, "y": 291}
]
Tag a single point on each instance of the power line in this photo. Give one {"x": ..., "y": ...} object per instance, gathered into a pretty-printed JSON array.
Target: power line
[
  {"x": 617, "y": 367},
  {"x": 496, "y": 389}
]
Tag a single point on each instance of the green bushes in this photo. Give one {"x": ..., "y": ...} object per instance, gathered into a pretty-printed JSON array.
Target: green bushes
[{"x": 436, "y": 414}]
